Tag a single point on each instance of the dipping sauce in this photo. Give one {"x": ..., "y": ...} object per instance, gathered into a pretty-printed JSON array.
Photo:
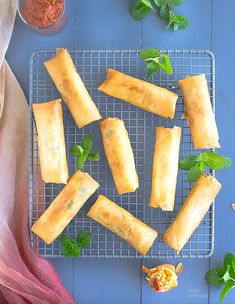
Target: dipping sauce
[{"x": 46, "y": 16}]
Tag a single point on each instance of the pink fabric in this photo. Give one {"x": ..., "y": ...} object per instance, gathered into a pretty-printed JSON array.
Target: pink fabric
[{"x": 25, "y": 277}]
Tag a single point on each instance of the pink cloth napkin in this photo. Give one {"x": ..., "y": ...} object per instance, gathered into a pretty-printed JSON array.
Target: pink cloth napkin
[{"x": 25, "y": 277}]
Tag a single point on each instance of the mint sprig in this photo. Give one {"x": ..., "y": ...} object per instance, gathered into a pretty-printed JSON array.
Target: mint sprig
[
  {"x": 197, "y": 164},
  {"x": 71, "y": 247},
  {"x": 83, "y": 151},
  {"x": 223, "y": 275},
  {"x": 141, "y": 9},
  {"x": 156, "y": 60}
]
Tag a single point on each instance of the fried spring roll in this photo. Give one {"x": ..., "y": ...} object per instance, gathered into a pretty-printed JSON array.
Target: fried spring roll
[
  {"x": 119, "y": 154},
  {"x": 65, "y": 206},
  {"x": 68, "y": 82},
  {"x": 192, "y": 212},
  {"x": 165, "y": 168},
  {"x": 140, "y": 93},
  {"x": 51, "y": 144},
  {"x": 200, "y": 116},
  {"x": 122, "y": 223}
]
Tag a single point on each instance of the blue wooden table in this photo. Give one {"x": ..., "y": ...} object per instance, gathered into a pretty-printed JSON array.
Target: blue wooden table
[{"x": 106, "y": 24}]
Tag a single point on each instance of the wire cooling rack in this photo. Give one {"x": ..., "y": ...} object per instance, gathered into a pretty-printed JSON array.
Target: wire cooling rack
[{"x": 92, "y": 66}]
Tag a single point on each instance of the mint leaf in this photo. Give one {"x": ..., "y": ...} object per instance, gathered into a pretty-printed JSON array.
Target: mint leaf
[
  {"x": 149, "y": 53},
  {"x": 226, "y": 276},
  {"x": 141, "y": 9},
  {"x": 164, "y": 12},
  {"x": 69, "y": 246},
  {"x": 76, "y": 150},
  {"x": 187, "y": 162},
  {"x": 83, "y": 239},
  {"x": 87, "y": 142},
  {"x": 227, "y": 287},
  {"x": 215, "y": 276},
  {"x": 159, "y": 3},
  {"x": 174, "y": 3},
  {"x": 152, "y": 67},
  {"x": 216, "y": 161},
  {"x": 178, "y": 22},
  {"x": 166, "y": 65},
  {"x": 81, "y": 159},
  {"x": 148, "y": 3},
  {"x": 229, "y": 260},
  {"x": 93, "y": 156},
  {"x": 155, "y": 60},
  {"x": 195, "y": 172}
]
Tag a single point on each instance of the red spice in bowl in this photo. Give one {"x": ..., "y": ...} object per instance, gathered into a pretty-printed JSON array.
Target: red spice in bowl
[{"x": 41, "y": 13}]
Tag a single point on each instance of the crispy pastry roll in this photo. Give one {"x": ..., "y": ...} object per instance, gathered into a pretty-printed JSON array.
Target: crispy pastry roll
[
  {"x": 65, "y": 206},
  {"x": 165, "y": 168},
  {"x": 124, "y": 224},
  {"x": 200, "y": 116},
  {"x": 140, "y": 93},
  {"x": 119, "y": 154},
  {"x": 192, "y": 212},
  {"x": 68, "y": 82},
  {"x": 52, "y": 152}
]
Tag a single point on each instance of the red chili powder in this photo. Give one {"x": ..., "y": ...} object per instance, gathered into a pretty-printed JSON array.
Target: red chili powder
[{"x": 41, "y": 13}]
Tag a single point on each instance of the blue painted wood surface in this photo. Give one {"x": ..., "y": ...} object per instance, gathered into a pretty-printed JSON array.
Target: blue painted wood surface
[{"x": 106, "y": 24}]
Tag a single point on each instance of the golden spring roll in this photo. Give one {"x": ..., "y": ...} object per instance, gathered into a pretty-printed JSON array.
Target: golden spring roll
[
  {"x": 121, "y": 222},
  {"x": 165, "y": 168},
  {"x": 200, "y": 116},
  {"x": 68, "y": 82},
  {"x": 51, "y": 144},
  {"x": 140, "y": 93},
  {"x": 119, "y": 153},
  {"x": 65, "y": 206},
  {"x": 192, "y": 212}
]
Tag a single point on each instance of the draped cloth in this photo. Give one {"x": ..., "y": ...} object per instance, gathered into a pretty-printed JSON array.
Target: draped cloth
[{"x": 25, "y": 277}]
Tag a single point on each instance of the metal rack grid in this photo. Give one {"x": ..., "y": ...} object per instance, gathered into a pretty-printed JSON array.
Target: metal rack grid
[{"x": 92, "y": 65}]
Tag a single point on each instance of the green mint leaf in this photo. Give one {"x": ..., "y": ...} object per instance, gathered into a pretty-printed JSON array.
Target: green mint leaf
[
  {"x": 164, "y": 12},
  {"x": 140, "y": 10},
  {"x": 87, "y": 142},
  {"x": 187, "y": 162},
  {"x": 174, "y": 3},
  {"x": 93, "y": 156},
  {"x": 179, "y": 22},
  {"x": 152, "y": 67},
  {"x": 69, "y": 246},
  {"x": 171, "y": 21},
  {"x": 215, "y": 276},
  {"x": 195, "y": 172},
  {"x": 216, "y": 161},
  {"x": 229, "y": 260},
  {"x": 159, "y": 3},
  {"x": 76, "y": 150},
  {"x": 227, "y": 287},
  {"x": 81, "y": 159},
  {"x": 83, "y": 239},
  {"x": 155, "y": 60},
  {"x": 149, "y": 53},
  {"x": 166, "y": 65},
  {"x": 148, "y": 3},
  {"x": 227, "y": 276}
]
